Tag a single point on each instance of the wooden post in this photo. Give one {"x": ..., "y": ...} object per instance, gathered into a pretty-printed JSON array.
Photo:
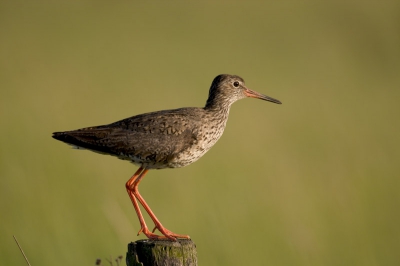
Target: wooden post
[{"x": 147, "y": 252}]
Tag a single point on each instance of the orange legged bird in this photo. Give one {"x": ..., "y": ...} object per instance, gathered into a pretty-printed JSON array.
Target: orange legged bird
[{"x": 164, "y": 139}]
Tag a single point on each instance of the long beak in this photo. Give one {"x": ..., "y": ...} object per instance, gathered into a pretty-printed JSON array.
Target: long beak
[{"x": 254, "y": 94}]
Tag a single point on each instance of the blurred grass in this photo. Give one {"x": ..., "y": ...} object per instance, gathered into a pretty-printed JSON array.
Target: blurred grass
[{"x": 312, "y": 182}]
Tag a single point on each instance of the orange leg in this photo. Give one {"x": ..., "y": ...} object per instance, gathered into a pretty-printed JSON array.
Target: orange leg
[
  {"x": 143, "y": 225},
  {"x": 133, "y": 192}
]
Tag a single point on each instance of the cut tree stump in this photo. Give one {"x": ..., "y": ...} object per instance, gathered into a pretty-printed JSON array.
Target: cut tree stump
[{"x": 147, "y": 252}]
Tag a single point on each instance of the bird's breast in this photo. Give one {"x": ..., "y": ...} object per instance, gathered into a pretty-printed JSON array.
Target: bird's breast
[{"x": 207, "y": 135}]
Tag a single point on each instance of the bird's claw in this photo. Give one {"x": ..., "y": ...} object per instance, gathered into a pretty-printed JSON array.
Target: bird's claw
[
  {"x": 166, "y": 233},
  {"x": 169, "y": 234},
  {"x": 140, "y": 231}
]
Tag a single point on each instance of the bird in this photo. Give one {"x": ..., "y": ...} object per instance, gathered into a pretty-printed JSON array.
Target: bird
[{"x": 164, "y": 139}]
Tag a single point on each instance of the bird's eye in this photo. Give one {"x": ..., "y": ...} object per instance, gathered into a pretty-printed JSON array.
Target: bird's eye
[{"x": 236, "y": 84}]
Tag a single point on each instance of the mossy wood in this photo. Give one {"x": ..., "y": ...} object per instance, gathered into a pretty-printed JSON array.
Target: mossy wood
[{"x": 148, "y": 252}]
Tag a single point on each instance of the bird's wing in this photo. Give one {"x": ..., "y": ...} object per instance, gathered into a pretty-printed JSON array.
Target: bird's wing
[{"x": 157, "y": 136}]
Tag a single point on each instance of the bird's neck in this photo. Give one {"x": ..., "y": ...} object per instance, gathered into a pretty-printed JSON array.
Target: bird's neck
[
  {"x": 218, "y": 102},
  {"x": 218, "y": 108}
]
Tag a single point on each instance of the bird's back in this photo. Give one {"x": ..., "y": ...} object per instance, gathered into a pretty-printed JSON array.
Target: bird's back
[{"x": 153, "y": 140}]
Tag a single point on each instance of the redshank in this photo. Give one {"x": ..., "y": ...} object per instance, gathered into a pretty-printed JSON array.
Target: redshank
[{"x": 164, "y": 139}]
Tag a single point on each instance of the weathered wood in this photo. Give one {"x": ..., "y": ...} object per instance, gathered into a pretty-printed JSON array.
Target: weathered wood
[{"x": 148, "y": 252}]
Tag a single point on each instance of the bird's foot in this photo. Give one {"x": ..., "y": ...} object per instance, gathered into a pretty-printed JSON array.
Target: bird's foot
[
  {"x": 168, "y": 234},
  {"x": 149, "y": 234}
]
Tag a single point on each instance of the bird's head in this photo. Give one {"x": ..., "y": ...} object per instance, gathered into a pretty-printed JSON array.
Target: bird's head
[{"x": 227, "y": 89}]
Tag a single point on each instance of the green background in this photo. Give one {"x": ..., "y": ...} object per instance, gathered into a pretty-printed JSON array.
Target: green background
[{"x": 314, "y": 181}]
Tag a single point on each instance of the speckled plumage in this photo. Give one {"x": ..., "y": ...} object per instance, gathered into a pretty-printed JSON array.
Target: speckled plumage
[{"x": 168, "y": 138}]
